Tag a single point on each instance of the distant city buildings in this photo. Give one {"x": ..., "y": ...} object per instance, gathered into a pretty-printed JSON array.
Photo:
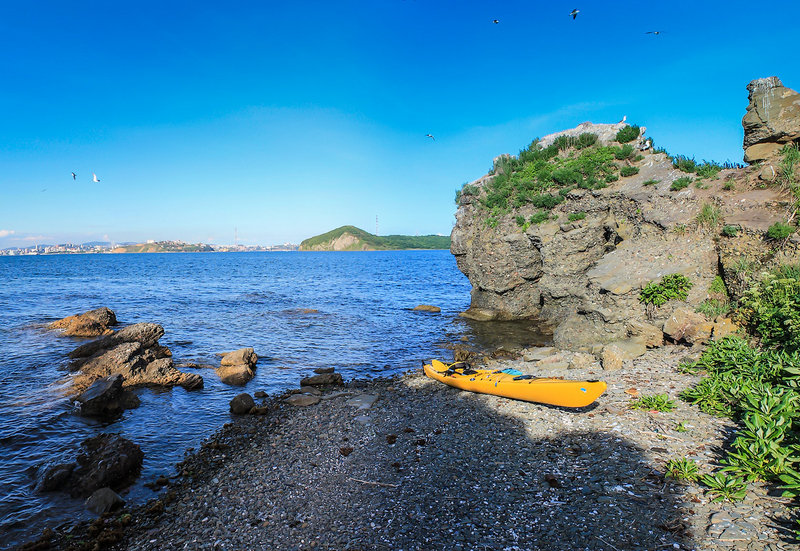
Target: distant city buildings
[{"x": 107, "y": 248}]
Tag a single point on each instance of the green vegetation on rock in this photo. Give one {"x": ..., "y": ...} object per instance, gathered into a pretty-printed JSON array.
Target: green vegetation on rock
[
  {"x": 673, "y": 286},
  {"x": 779, "y": 230},
  {"x": 628, "y": 134},
  {"x": 350, "y": 238},
  {"x": 680, "y": 183}
]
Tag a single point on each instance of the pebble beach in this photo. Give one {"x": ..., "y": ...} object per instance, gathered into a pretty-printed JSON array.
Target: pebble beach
[{"x": 407, "y": 463}]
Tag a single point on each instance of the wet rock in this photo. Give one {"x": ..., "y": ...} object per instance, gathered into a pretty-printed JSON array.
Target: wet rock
[
  {"x": 88, "y": 324},
  {"x": 427, "y": 308},
  {"x": 323, "y": 379},
  {"x": 104, "y": 500},
  {"x": 147, "y": 334},
  {"x": 55, "y": 477},
  {"x": 242, "y": 404},
  {"x": 191, "y": 381},
  {"x": 259, "y": 394},
  {"x": 301, "y": 400},
  {"x": 237, "y": 375},
  {"x": 104, "y": 460},
  {"x": 243, "y": 356},
  {"x": 323, "y": 370},
  {"x": 105, "y": 398}
]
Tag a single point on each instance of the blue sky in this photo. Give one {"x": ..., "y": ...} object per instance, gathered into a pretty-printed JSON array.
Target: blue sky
[{"x": 284, "y": 120}]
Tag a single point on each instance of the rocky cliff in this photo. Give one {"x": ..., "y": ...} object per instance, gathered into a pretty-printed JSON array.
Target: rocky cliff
[{"x": 569, "y": 231}]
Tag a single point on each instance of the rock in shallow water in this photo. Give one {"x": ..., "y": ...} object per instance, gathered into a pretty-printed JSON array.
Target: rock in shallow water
[
  {"x": 104, "y": 500},
  {"x": 242, "y": 404}
]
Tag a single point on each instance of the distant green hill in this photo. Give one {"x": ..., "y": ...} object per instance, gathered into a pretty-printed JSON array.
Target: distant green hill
[{"x": 350, "y": 238}]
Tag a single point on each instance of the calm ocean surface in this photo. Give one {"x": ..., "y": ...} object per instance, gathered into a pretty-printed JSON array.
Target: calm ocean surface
[{"x": 207, "y": 303}]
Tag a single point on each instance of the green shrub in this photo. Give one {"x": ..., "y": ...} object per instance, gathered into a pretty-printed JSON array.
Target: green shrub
[
  {"x": 717, "y": 287},
  {"x": 771, "y": 308},
  {"x": 779, "y": 231},
  {"x": 656, "y": 402},
  {"x": 540, "y": 217},
  {"x": 622, "y": 153},
  {"x": 673, "y": 286},
  {"x": 546, "y": 201},
  {"x": 650, "y": 182},
  {"x": 684, "y": 164},
  {"x": 610, "y": 178},
  {"x": 680, "y": 183},
  {"x": 730, "y": 231},
  {"x": 708, "y": 216},
  {"x": 575, "y": 216},
  {"x": 587, "y": 139},
  {"x": 723, "y": 487},
  {"x": 730, "y": 184},
  {"x": 626, "y": 171},
  {"x": 520, "y": 220},
  {"x": 628, "y": 134}
]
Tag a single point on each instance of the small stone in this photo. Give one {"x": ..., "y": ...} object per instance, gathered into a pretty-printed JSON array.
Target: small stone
[
  {"x": 302, "y": 400},
  {"x": 324, "y": 370},
  {"x": 104, "y": 500},
  {"x": 259, "y": 394},
  {"x": 323, "y": 379},
  {"x": 362, "y": 401},
  {"x": 427, "y": 308},
  {"x": 345, "y": 451},
  {"x": 242, "y": 404}
]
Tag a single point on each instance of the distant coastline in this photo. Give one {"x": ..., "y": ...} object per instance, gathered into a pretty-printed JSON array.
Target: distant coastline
[
  {"x": 148, "y": 247},
  {"x": 351, "y": 238}
]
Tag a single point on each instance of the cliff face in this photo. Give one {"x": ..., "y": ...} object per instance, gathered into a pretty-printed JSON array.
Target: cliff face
[
  {"x": 582, "y": 277},
  {"x": 772, "y": 119}
]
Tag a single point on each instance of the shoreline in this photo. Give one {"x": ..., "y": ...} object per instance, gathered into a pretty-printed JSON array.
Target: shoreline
[{"x": 431, "y": 467}]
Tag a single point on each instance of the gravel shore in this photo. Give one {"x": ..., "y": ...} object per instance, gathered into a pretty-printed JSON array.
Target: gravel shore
[{"x": 428, "y": 467}]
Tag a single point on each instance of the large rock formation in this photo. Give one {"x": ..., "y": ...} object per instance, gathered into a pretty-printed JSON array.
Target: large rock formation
[
  {"x": 134, "y": 353},
  {"x": 106, "y": 460},
  {"x": 772, "y": 119},
  {"x": 88, "y": 324},
  {"x": 582, "y": 276}
]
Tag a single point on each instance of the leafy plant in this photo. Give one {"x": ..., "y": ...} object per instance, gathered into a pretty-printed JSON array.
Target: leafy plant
[
  {"x": 717, "y": 286},
  {"x": 575, "y": 216},
  {"x": 673, "y": 286},
  {"x": 771, "y": 308},
  {"x": 708, "y": 216},
  {"x": 681, "y": 183},
  {"x": 628, "y": 134},
  {"x": 626, "y": 171},
  {"x": 681, "y": 427},
  {"x": 650, "y": 182},
  {"x": 724, "y": 487},
  {"x": 682, "y": 469},
  {"x": 709, "y": 170},
  {"x": 730, "y": 231},
  {"x": 622, "y": 153},
  {"x": 730, "y": 184},
  {"x": 656, "y": 402},
  {"x": 779, "y": 231}
]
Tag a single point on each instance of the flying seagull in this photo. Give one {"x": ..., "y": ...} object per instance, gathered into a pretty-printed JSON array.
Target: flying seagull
[
  {"x": 74, "y": 175},
  {"x": 430, "y": 136},
  {"x": 653, "y": 32},
  {"x": 574, "y": 13},
  {"x": 94, "y": 177},
  {"x": 495, "y": 21}
]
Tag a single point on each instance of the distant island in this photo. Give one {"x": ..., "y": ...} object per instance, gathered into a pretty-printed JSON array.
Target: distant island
[
  {"x": 164, "y": 247},
  {"x": 350, "y": 238}
]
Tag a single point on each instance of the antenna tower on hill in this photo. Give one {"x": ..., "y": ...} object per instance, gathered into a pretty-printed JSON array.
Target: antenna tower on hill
[{"x": 376, "y": 224}]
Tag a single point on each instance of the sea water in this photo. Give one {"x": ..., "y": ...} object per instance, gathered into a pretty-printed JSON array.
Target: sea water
[{"x": 299, "y": 311}]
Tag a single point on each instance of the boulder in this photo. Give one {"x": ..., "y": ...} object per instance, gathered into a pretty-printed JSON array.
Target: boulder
[
  {"x": 55, "y": 477},
  {"x": 105, "y": 398},
  {"x": 104, "y": 500},
  {"x": 322, "y": 370},
  {"x": 722, "y": 328},
  {"x": 243, "y": 356},
  {"x": 323, "y": 379},
  {"x": 427, "y": 308},
  {"x": 772, "y": 119},
  {"x": 687, "y": 325},
  {"x": 88, "y": 324},
  {"x": 611, "y": 357},
  {"x": 147, "y": 334},
  {"x": 237, "y": 375},
  {"x": 649, "y": 335},
  {"x": 106, "y": 460},
  {"x": 242, "y": 404}
]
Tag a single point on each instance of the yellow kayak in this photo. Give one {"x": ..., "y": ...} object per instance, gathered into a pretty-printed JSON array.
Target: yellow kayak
[{"x": 556, "y": 392}]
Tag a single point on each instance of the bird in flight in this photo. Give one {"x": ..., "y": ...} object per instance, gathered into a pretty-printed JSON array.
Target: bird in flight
[
  {"x": 430, "y": 136},
  {"x": 95, "y": 178},
  {"x": 74, "y": 175},
  {"x": 653, "y": 32},
  {"x": 574, "y": 13},
  {"x": 495, "y": 21}
]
